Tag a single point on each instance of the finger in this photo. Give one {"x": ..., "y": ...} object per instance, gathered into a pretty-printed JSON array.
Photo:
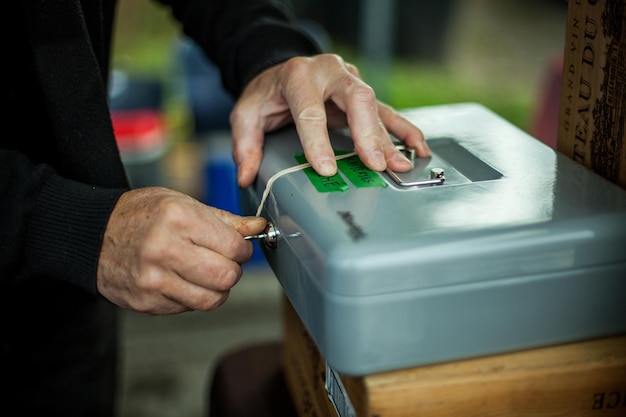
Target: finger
[
  {"x": 259, "y": 109},
  {"x": 212, "y": 233},
  {"x": 247, "y": 145},
  {"x": 175, "y": 300},
  {"x": 307, "y": 104},
  {"x": 404, "y": 130},
  {"x": 195, "y": 298},
  {"x": 232, "y": 245},
  {"x": 251, "y": 225},
  {"x": 358, "y": 101},
  {"x": 245, "y": 225},
  {"x": 182, "y": 295},
  {"x": 192, "y": 278},
  {"x": 208, "y": 269},
  {"x": 369, "y": 132},
  {"x": 163, "y": 290}
]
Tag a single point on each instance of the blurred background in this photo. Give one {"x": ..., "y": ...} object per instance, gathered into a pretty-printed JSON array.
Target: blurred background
[{"x": 170, "y": 117}]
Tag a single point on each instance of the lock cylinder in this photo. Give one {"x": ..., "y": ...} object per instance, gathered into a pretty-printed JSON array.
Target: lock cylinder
[{"x": 269, "y": 236}]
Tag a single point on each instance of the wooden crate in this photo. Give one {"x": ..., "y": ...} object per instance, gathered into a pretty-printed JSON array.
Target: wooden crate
[
  {"x": 586, "y": 379},
  {"x": 592, "y": 110}
]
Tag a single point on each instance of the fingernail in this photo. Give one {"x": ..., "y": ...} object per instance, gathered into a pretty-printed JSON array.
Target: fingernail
[
  {"x": 401, "y": 161},
  {"x": 426, "y": 149},
  {"x": 326, "y": 167},
  {"x": 240, "y": 181},
  {"x": 377, "y": 160}
]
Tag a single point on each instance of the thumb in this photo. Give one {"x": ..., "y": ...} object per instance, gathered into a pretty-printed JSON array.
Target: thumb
[
  {"x": 250, "y": 225},
  {"x": 245, "y": 225}
]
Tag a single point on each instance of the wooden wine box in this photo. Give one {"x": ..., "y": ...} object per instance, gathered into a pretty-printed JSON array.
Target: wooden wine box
[
  {"x": 584, "y": 379},
  {"x": 592, "y": 117}
]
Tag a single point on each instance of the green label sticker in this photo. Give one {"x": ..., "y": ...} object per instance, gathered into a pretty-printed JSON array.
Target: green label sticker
[
  {"x": 322, "y": 184},
  {"x": 358, "y": 174}
]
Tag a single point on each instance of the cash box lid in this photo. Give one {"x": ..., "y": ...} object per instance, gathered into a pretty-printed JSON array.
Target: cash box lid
[{"x": 509, "y": 206}]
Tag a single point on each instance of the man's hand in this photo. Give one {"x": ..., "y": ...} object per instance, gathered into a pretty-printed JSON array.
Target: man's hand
[
  {"x": 164, "y": 252},
  {"x": 318, "y": 93}
]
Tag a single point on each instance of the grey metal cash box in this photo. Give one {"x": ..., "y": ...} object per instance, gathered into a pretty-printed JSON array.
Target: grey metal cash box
[{"x": 496, "y": 243}]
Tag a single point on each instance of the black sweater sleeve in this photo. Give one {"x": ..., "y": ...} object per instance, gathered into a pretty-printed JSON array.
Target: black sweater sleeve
[
  {"x": 61, "y": 175},
  {"x": 50, "y": 226},
  {"x": 58, "y": 186},
  {"x": 243, "y": 37}
]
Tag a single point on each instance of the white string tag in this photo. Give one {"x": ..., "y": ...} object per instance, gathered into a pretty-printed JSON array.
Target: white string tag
[{"x": 273, "y": 178}]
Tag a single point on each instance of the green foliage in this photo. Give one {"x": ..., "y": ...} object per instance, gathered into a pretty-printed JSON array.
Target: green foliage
[
  {"x": 415, "y": 85},
  {"x": 145, "y": 40}
]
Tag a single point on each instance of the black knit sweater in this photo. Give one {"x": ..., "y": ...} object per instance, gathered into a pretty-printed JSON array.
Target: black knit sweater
[{"x": 61, "y": 174}]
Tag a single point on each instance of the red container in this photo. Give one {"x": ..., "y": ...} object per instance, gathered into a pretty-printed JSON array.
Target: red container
[{"x": 142, "y": 140}]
